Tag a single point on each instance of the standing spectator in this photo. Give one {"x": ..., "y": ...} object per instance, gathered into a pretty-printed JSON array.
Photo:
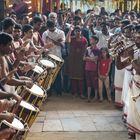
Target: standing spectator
[
  {"x": 53, "y": 16},
  {"x": 78, "y": 45},
  {"x": 103, "y": 35},
  {"x": 78, "y": 12},
  {"x": 90, "y": 58},
  {"x": 99, "y": 20},
  {"x": 103, "y": 71},
  {"x": 13, "y": 16},
  {"x": 21, "y": 7},
  {"x": 103, "y": 12},
  {"x": 25, "y": 19},
  {"x": 118, "y": 13},
  {"x": 56, "y": 37}
]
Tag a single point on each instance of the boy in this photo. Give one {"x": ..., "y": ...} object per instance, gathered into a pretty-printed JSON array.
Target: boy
[{"x": 90, "y": 58}]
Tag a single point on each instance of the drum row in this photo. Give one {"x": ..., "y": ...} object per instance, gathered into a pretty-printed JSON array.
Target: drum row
[
  {"x": 46, "y": 71},
  {"x": 43, "y": 75}
]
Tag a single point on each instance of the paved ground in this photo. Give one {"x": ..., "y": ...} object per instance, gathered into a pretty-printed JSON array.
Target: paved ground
[{"x": 67, "y": 118}]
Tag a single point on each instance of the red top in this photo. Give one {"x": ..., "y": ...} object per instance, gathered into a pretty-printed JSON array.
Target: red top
[{"x": 104, "y": 66}]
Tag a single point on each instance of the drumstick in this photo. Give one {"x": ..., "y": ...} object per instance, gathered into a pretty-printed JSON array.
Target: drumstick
[{"x": 42, "y": 50}]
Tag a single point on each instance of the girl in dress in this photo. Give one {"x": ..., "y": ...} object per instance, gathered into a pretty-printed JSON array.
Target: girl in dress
[{"x": 103, "y": 73}]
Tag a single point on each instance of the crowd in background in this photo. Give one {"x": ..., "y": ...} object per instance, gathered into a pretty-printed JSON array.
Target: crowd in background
[{"x": 83, "y": 40}]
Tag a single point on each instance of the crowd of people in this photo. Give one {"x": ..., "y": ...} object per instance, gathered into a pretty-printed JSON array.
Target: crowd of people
[{"x": 100, "y": 52}]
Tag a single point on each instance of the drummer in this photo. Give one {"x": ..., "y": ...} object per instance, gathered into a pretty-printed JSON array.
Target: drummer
[
  {"x": 3, "y": 93},
  {"x": 129, "y": 54},
  {"x": 17, "y": 36},
  {"x": 8, "y": 25},
  {"x": 37, "y": 23},
  {"x": 133, "y": 119},
  {"x": 19, "y": 47},
  {"x": 128, "y": 32},
  {"x": 6, "y": 133},
  {"x": 5, "y": 50},
  {"x": 5, "y": 105},
  {"x": 32, "y": 52}
]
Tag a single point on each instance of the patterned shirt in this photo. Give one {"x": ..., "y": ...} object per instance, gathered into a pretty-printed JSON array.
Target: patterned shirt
[{"x": 92, "y": 53}]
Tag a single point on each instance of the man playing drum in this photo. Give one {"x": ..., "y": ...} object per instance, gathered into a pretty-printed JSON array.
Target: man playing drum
[
  {"x": 5, "y": 50},
  {"x": 133, "y": 119},
  {"x": 133, "y": 92}
]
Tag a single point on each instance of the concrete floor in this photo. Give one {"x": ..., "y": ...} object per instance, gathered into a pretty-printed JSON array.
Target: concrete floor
[{"x": 68, "y": 118}]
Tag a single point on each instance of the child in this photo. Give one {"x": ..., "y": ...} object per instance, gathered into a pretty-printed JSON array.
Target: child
[
  {"x": 90, "y": 58},
  {"x": 103, "y": 73}
]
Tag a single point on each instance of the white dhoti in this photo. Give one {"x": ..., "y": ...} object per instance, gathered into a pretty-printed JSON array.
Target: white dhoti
[
  {"x": 125, "y": 95},
  {"x": 137, "y": 137},
  {"x": 119, "y": 78},
  {"x": 133, "y": 118}
]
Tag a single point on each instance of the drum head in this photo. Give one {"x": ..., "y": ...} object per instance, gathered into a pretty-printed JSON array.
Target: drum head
[
  {"x": 36, "y": 90},
  {"x": 55, "y": 57},
  {"x": 16, "y": 124},
  {"x": 38, "y": 69},
  {"x": 27, "y": 105},
  {"x": 47, "y": 63}
]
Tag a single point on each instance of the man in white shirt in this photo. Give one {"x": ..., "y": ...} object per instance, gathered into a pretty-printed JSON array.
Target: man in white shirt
[
  {"x": 55, "y": 39},
  {"x": 103, "y": 35}
]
